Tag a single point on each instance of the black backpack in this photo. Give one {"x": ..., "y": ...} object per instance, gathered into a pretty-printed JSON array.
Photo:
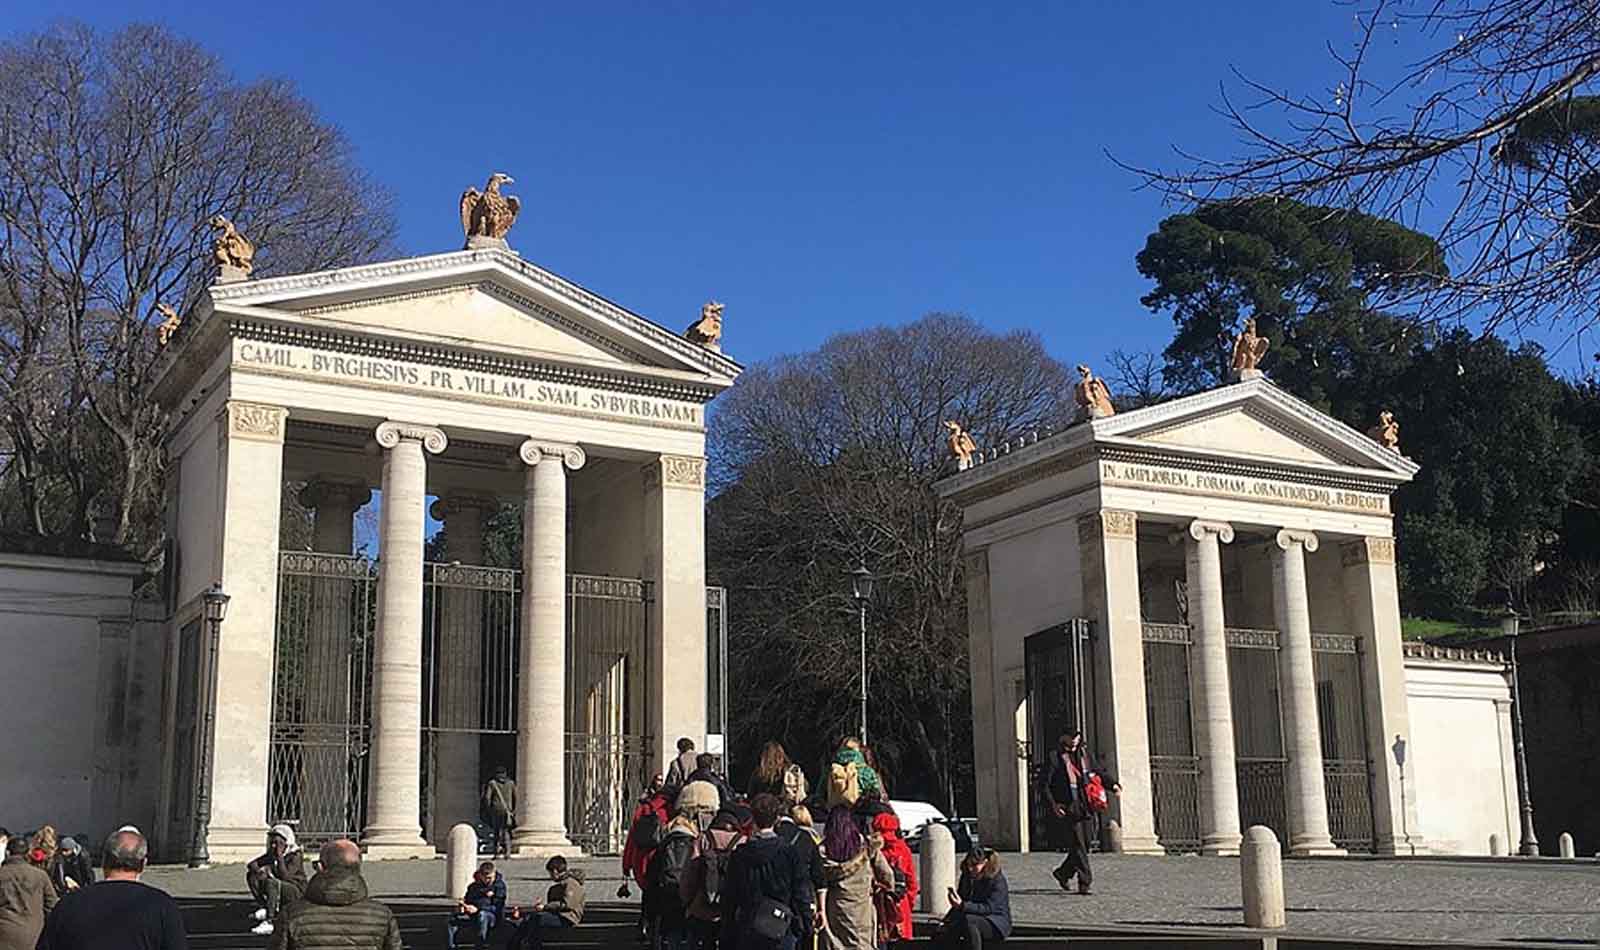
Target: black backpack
[
  {"x": 646, "y": 832},
  {"x": 670, "y": 861},
  {"x": 716, "y": 864}
]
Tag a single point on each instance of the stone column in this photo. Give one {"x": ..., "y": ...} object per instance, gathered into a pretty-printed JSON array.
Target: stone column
[
  {"x": 394, "y": 828},
  {"x": 675, "y": 566},
  {"x": 1372, "y": 600},
  {"x": 459, "y": 654},
  {"x": 334, "y": 504},
  {"x": 1108, "y": 544},
  {"x": 542, "y": 694},
  {"x": 1210, "y": 704},
  {"x": 991, "y": 754},
  {"x": 1297, "y": 682},
  {"x": 250, "y": 469},
  {"x": 325, "y": 754}
]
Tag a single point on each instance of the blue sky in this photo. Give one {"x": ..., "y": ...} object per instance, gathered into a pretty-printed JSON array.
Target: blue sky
[{"x": 818, "y": 168}]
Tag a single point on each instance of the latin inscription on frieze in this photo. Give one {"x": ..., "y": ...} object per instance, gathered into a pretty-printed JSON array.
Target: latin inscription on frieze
[
  {"x": 1242, "y": 486},
  {"x": 471, "y": 384}
]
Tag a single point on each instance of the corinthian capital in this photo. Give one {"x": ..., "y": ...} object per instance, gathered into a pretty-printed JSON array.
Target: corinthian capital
[
  {"x": 535, "y": 451},
  {"x": 391, "y": 434}
]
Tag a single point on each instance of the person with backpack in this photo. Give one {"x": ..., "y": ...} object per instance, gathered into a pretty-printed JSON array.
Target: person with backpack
[
  {"x": 663, "y": 897},
  {"x": 500, "y": 807},
  {"x": 683, "y": 765},
  {"x": 769, "y": 771},
  {"x": 766, "y": 889},
  {"x": 1076, "y": 794},
  {"x": 851, "y": 868},
  {"x": 794, "y": 830},
  {"x": 895, "y": 903},
  {"x": 706, "y": 771},
  {"x": 650, "y": 818},
  {"x": 701, "y": 889}
]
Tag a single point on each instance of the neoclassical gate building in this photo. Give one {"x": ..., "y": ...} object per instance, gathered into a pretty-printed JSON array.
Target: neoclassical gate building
[
  {"x": 1207, "y": 588},
  {"x": 371, "y": 696}
]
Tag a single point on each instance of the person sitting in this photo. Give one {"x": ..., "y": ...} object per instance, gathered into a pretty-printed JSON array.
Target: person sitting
[
  {"x": 480, "y": 908},
  {"x": 71, "y": 869},
  {"x": 277, "y": 878},
  {"x": 561, "y": 908},
  {"x": 980, "y": 905}
]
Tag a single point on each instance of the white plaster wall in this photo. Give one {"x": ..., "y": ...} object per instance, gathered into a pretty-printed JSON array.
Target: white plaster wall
[
  {"x": 1459, "y": 763},
  {"x": 67, "y": 624}
]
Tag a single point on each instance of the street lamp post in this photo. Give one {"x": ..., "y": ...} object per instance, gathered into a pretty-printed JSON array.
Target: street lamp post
[
  {"x": 861, "y": 587},
  {"x": 216, "y": 608},
  {"x": 1529, "y": 847},
  {"x": 1399, "y": 750}
]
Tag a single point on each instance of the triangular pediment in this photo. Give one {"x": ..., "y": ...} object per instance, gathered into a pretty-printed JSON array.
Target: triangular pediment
[
  {"x": 488, "y": 301},
  {"x": 1252, "y": 421}
]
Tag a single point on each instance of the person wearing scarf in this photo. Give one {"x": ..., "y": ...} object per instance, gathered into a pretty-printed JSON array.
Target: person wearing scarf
[{"x": 277, "y": 878}]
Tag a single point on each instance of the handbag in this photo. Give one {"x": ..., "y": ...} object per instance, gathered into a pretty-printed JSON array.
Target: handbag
[
  {"x": 1094, "y": 793},
  {"x": 770, "y": 920}
]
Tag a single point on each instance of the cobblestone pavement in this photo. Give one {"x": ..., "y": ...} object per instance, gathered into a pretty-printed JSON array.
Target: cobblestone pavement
[{"x": 1479, "y": 901}]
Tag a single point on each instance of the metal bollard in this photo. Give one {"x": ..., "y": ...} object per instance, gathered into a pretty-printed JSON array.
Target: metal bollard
[
  {"x": 1567, "y": 849},
  {"x": 1496, "y": 849},
  {"x": 938, "y": 868},
  {"x": 1261, "y": 878},
  {"x": 460, "y": 860}
]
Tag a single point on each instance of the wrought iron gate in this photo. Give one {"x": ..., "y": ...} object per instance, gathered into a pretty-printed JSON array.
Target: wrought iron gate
[
  {"x": 1258, "y": 735},
  {"x": 321, "y": 694},
  {"x": 1058, "y": 674}
]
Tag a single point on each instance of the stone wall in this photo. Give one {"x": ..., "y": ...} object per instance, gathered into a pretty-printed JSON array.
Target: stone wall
[
  {"x": 1459, "y": 763},
  {"x": 81, "y": 698}
]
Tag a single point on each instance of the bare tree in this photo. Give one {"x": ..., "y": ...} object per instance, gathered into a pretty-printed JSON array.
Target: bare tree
[
  {"x": 1137, "y": 379},
  {"x": 826, "y": 460},
  {"x": 1488, "y": 142},
  {"x": 114, "y": 151}
]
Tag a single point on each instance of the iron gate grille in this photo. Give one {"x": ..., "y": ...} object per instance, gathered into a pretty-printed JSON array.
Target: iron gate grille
[
  {"x": 1257, "y": 729},
  {"x": 321, "y": 694},
  {"x": 1058, "y": 681},
  {"x": 1342, "y": 715},
  {"x": 1174, "y": 768}
]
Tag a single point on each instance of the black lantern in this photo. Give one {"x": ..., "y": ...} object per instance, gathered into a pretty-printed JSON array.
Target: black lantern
[
  {"x": 215, "y": 603},
  {"x": 861, "y": 581}
]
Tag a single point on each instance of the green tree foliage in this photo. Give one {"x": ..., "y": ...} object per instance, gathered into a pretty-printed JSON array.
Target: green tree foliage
[
  {"x": 1311, "y": 277},
  {"x": 829, "y": 457}
]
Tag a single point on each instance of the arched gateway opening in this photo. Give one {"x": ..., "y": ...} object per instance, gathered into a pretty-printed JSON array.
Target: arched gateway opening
[{"x": 372, "y": 695}]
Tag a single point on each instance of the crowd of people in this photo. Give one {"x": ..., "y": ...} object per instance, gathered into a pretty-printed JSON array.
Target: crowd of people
[
  {"x": 786, "y": 866},
  {"x": 50, "y": 899}
]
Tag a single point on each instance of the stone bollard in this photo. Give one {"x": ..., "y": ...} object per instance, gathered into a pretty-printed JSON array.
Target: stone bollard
[
  {"x": 1113, "y": 837},
  {"x": 938, "y": 871},
  {"x": 1496, "y": 849},
  {"x": 460, "y": 861},
  {"x": 1567, "y": 849},
  {"x": 1261, "y": 877}
]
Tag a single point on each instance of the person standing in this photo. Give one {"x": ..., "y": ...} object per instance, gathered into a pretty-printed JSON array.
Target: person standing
[
  {"x": 500, "y": 806},
  {"x": 769, "y": 771},
  {"x": 663, "y": 896},
  {"x": 684, "y": 765},
  {"x": 119, "y": 913},
  {"x": 277, "y": 878},
  {"x": 336, "y": 913},
  {"x": 650, "y": 818},
  {"x": 562, "y": 907},
  {"x": 71, "y": 868},
  {"x": 26, "y": 896},
  {"x": 480, "y": 908},
  {"x": 767, "y": 887},
  {"x": 980, "y": 905},
  {"x": 705, "y": 770},
  {"x": 794, "y": 829},
  {"x": 1070, "y": 774},
  {"x": 851, "y": 867},
  {"x": 701, "y": 889},
  {"x": 895, "y": 904}
]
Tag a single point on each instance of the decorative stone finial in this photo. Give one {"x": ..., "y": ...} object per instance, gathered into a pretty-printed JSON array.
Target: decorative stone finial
[
  {"x": 1387, "y": 432},
  {"x": 169, "y": 326},
  {"x": 707, "y": 331},
  {"x": 487, "y": 215},
  {"x": 1092, "y": 396},
  {"x": 235, "y": 256},
  {"x": 1248, "y": 348},
  {"x": 961, "y": 445}
]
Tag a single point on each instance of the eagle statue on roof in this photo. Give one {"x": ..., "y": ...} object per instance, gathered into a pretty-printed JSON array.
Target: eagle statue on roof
[{"x": 487, "y": 215}]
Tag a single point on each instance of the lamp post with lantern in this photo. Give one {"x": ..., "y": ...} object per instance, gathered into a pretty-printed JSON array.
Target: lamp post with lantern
[
  {"x": 861, "y": 588},
  {"x": 216, "y": 608},
  {"x": 1510, "y": 626}
]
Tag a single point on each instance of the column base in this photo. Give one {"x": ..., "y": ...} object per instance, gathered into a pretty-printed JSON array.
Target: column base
[
  {"x": 1221, "y": 845},
  {"x": 1311, "y": 849},
  {"x": 395, "y": 845},
  {"x": 1142, "y": 845},
  {"x": 545, "y": 847},
  {"x": 232, "y": 845},
  {"x": 1401, "y": 845}
]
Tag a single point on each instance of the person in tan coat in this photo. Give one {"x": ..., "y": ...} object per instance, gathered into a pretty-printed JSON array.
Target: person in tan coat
[
  {"x": 26, "y": 896},
  {"x": 851, "y": 866}
]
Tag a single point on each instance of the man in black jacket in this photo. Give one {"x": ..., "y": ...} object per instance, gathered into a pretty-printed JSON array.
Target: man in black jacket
[
  {"x": 765, "y": 891},
  {"x": 335, "y": 914},
  {"x": 1070, "y": 771}
]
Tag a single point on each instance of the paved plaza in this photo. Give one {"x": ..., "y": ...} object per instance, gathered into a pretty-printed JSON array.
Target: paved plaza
[{"x": 1508, "y": 901}]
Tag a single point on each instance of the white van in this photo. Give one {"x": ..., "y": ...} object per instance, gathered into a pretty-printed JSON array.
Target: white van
[{"x": 913, "y": 815}]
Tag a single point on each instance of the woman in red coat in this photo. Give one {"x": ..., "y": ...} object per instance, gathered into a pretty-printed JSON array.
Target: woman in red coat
[
  {"x": 894, "y": 908},
  {"x": 648, "y": 824}
]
